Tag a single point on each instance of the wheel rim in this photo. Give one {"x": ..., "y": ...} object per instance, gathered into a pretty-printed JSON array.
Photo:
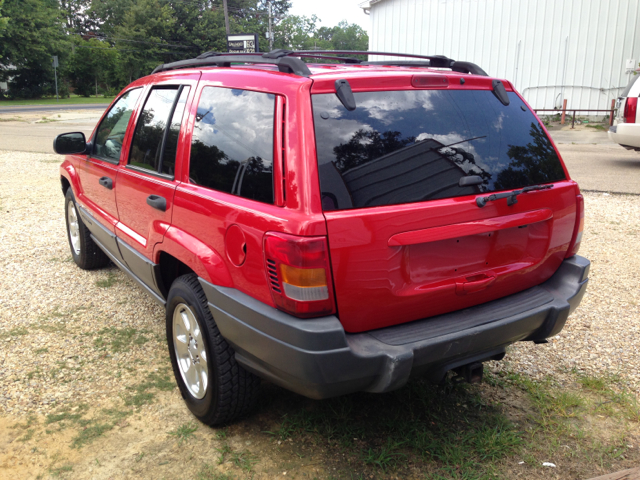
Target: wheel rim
[
  {"x": 190, "y": 350},
  {"x": 74, "y": 227}
]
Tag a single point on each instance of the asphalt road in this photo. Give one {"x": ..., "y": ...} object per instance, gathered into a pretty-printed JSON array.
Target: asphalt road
[
  {"x": 593, "y": 161},
  {"x": 51, "y": 108}
]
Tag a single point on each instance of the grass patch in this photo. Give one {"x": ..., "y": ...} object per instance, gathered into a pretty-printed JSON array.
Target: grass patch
[
  {"x": 59, "y": 471},
  {"x": 12, "y": 119},
  {"x": 184, "y": 432},
  {"x": 597, "y": 126},
  {"x": 122, "y": 339},
  {"x": 108, "y": 282},
  {"x": 14, "y": 332},
  {"x": 466, "y": 431},
  {"x": 209, "y": 472},
  {"x": 144, "y": 392}
]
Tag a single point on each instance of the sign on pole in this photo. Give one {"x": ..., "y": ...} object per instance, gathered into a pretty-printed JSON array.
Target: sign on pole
[
  {"x": 243, "y": 43},
  {"x": 55, "y": 72}
]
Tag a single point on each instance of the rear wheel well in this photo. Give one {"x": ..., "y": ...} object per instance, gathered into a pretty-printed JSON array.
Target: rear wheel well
[
  {"x": 65, "y": 185},
  {"x": 169, "y": 268}
]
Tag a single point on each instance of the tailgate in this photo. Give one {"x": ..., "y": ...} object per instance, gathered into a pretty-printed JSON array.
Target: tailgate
[{"x": 399, "y": 179}]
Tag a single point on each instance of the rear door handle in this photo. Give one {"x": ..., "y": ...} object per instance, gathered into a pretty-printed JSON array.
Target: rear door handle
[
  {"x": 157, "y": 202},
  {"x": 106, "y": 182}
]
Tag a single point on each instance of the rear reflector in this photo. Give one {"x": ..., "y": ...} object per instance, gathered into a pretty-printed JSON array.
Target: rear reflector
[
  {"x": 630, "y": 109},
  {"x": 299, "y": 274},
  {"x": 429, "y": 81},
  {"x": 574, "y": 246}
]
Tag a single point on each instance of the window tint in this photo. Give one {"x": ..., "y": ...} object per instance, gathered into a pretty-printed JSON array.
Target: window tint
[
  {"x": 232, "y": 145},
  {"x": 110, "y": 135},
  {"x": 146, "y": 146},
  {"x": 411, "y": 146},
  {"x": 171, "y": 145}
]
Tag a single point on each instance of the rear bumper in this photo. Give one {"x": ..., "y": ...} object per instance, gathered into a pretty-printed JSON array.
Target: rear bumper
[
  {"x": 316, "y": 358},
  {"x": 626, "y": 134}
]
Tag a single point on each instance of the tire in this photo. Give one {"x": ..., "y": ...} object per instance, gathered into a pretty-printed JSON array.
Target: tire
[
  {"x": 84, "y": 250},
  {"x": 215, "y": 388}
]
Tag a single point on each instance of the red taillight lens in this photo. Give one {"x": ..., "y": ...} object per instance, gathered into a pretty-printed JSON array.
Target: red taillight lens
[
  {"x": 630, "y": 109},
  {"x": 299, "y": 274},
  {"x": 574, "y": 246}
]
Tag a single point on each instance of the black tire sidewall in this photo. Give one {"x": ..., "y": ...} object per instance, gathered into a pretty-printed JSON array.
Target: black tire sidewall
[
  {"x": 79, "y": 259},
  {"x": 181, "y": 293}
]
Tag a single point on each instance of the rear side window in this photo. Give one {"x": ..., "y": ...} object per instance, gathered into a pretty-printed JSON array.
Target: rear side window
[
  {"x": 412, "y": 146},
  {"x": 154, "y": 145},
  {"x": 232, "y": 143}
]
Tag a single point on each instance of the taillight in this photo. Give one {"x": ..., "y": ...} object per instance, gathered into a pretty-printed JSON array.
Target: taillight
[
  {"x": 630, "y": 109},
  {"x": 299, "y": 274},
  {"x": 574, "y": 246}
]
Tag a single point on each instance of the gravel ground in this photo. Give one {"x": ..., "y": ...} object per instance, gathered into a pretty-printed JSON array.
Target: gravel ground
[{"x": 70, "y": 336}]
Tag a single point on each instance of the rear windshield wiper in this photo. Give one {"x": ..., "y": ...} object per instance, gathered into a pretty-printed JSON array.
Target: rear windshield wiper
[{"x": 512, "y": 197}]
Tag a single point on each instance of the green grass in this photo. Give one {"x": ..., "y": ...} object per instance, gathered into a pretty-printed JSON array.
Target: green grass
[
  {"x": 184, "y": 432},
  {"x": 121, "y": 339},
  {"x": 209, "y": 472},
  {"x": 73, "y": 100},
  {"x": 108, "y": 282},
  {"x": 465, "y": 431},
  {"x": 598, "y": 127}
]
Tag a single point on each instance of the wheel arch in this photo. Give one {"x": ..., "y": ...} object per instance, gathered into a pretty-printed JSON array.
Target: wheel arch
[
  {"x": 68, "y": 177},
  {"x": 181, "y": 253}
]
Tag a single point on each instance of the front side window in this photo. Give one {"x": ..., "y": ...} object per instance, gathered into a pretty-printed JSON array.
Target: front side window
[
  {"x": 417, "y": 145},
  {"x": 110, "y": 134},
  {"x": 154, "y": 145},
  {"x": 232, "y": 145}
]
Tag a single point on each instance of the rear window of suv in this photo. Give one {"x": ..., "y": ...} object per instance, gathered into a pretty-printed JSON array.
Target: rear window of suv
[{"x": 415, "y": 145}]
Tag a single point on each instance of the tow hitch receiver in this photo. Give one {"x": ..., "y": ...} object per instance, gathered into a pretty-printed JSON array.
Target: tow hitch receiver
[{"x": 470, "y": 373}]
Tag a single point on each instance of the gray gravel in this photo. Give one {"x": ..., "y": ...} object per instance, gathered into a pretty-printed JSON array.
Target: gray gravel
[{"x": 54, "y": 348}]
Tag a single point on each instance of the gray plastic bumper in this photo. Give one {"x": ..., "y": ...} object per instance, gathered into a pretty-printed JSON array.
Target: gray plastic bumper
[{"x": 316, "y": 358}]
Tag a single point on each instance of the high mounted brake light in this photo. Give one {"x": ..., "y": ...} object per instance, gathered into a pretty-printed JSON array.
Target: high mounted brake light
[
  {"x": 630, "y": 109},
  {"x": 299, "y": 274}
]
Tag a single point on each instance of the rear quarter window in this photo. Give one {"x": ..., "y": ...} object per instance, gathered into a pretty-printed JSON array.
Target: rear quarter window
[
  {"x": 411, "y": 146},
  {"x": 232, "y": 143}
]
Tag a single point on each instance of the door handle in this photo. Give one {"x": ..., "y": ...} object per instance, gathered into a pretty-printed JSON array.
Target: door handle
[
  {"x": 474, "y": 283},
  {"x": 157, "y": 202},
  {"x": 106, "y": 182}
]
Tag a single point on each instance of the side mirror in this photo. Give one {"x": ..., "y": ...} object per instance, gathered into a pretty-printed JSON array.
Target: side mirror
[{"x": 70, "y": 143}]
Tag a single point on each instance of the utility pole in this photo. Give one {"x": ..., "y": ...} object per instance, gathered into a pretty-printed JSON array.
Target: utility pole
[
  {"x": 270, "y": 29},
  {"x": 226, "y": 17}
]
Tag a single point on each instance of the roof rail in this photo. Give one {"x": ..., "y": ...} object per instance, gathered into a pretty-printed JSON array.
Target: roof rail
[{"x": 289, "y": 61}]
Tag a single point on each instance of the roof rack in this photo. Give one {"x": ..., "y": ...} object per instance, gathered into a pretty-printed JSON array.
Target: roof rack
[{"x": 289, "y": 61}]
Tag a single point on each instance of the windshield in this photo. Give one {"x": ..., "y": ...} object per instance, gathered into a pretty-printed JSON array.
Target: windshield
[{"x": 416, "y": 145}]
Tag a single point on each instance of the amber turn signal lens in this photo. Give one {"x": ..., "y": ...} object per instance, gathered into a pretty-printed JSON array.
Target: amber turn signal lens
[{"x": 303, "y": 277}]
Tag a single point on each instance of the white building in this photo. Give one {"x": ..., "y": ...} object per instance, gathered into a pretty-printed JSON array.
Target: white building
[{"x": 581, "y": 50}]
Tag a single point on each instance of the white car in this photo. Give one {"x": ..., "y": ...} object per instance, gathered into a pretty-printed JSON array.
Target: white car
[{"x": 626, "y": 125}]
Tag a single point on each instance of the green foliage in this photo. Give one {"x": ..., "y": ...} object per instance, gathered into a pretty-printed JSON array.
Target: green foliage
[
  {"x": 3, "y": 20},
  {"x": 104, "y": 45}
]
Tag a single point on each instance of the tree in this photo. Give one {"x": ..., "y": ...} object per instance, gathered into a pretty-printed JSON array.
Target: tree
[
  {"x": 92, "y": 65},
  {"x": 34, "y": 33},
  {"x": 3, "y": 20}
]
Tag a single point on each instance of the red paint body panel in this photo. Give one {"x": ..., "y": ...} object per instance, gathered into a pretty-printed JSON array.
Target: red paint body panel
[
  {"x": 454, "y": 230},
  {"x": 378, "y": 285}
]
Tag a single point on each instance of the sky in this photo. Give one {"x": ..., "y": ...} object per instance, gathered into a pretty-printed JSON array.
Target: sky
[{"x": 331, "y": 12}]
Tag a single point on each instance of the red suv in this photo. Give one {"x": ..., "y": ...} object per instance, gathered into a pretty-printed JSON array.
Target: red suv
[{"x": 331, "y": 228}]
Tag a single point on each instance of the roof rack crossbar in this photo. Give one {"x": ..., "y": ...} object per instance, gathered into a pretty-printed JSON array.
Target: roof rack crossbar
[
  {"x": 285, "y": 64},
  {"x": 289, "y": 61}
]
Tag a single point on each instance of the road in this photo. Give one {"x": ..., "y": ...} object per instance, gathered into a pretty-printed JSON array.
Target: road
[
  {"x": 51, "y": 108},
  {"x": 593, "y": 161}
]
